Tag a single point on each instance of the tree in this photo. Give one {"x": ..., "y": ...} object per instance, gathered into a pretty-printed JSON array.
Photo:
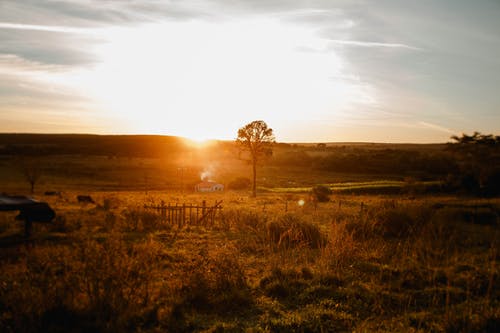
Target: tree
[
  {"x": 478, "y": 156},
  {"x": 257, "y": 139},
  {"x": 31, "y": 171}
]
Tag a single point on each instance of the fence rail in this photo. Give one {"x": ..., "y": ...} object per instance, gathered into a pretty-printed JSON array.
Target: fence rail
[{"x": 187, "y": 214}]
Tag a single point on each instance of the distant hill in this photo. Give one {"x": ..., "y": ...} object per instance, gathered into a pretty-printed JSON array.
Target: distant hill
[
  {"x": 90, "y": 144},
  {"x": 376, "y": 145}
]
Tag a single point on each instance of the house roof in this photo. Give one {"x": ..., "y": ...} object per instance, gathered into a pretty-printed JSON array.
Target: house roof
[{"x": 207, "y": 184}]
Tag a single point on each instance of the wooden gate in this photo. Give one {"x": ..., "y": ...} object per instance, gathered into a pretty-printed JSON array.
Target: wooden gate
[{"x": 187, "y": 214}]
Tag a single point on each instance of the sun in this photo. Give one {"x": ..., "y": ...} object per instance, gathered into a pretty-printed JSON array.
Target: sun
[{"x": 203, "y": 80}]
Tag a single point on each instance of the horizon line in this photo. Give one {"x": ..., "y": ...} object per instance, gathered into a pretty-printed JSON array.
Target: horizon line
[{"x": 223, "y": 140}]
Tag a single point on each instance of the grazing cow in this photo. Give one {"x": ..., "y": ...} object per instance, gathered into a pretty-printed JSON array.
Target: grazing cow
[
  {"x": 85, "y": 199},
  {"x": 37, "y": 212},
  {"x": 29, "y": 209},
  {"x": 58, "y": 193}
]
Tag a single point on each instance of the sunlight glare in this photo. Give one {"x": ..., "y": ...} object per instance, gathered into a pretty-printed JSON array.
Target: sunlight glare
[{"x": 204, "y": 81}]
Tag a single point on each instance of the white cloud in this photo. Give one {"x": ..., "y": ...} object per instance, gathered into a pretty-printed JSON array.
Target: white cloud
[
  {"x": 374, "y": 44},
  {"x": 48, "y": 28},
  {"x": 436, "y": 127}
]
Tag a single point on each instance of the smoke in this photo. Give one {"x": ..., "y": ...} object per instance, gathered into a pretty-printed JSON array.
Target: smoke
[{"x": 208, "y": 173}]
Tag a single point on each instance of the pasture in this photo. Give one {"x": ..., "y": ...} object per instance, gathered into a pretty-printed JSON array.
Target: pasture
[{"x": 364, "y": 261}]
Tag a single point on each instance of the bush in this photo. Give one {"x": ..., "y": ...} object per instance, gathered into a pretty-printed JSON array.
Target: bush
[
  {"x": 137, "y": 219},
  {"x": 401, "y": 221},
  {"x": 240, "y": 183},
  {"x": 290, "y": 231},
  {"x": 244, "y": 220},
  {"x": 321, "y": 193},
  {"x": 215, "y": 282}
]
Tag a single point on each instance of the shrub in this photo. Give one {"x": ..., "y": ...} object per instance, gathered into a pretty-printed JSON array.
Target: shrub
[
  {"x": 321, "y": 193},
  {"x": 137, "y": 219},
  {"x": 216, "y": 283},
  {"x": 342, "y": 248},
  {"x": 243, "y": 220},
  {"x": 290, "y": 231},
  {"x": 401, "y": 221},
  {"x": 240, "y": 183}
]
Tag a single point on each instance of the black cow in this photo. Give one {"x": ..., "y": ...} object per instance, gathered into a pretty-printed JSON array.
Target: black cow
[
  {"x": 30, "y": 210},
  {"x": 58, "y": 193},
  {"x": 85, "y": 199}
]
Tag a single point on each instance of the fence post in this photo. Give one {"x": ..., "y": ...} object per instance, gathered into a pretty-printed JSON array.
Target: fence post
[
  {"x": 183, "y": 214},
  {"x": 163, "y": 212},
  {"x": 169, "y": 214}
]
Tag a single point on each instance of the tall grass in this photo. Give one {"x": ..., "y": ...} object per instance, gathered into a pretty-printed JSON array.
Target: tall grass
[
  {"x": 291, "y": 230},
  {"x": 103, "y": 286},
  {"x": 385, "y": 265}
]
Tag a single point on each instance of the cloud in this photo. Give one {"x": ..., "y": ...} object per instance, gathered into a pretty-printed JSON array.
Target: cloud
[
  {"x": 374, "y": 44},
  {"x": 48, "y": 28},
  {"x": 55, "y": 45},
  {"x": 436, "y": 127},
  {"x": 84, "y": 13}
]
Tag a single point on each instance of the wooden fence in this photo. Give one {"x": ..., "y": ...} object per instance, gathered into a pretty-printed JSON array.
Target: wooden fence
[{"x": 187, "y": 214}]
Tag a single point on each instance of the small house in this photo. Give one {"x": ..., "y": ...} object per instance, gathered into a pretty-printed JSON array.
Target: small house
[{"x": 209, "y": 186}]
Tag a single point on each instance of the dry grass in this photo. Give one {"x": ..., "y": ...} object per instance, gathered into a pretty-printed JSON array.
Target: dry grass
[{"x": 366, "y": 264}]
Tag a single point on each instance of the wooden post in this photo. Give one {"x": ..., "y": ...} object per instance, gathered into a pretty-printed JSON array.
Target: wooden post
[
  {"x": 169, "y": 212},
  {"x": 163, "y": 212},
  {"x": 183, "y": 214}
]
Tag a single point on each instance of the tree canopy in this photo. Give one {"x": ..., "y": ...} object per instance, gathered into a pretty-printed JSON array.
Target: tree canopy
[
  {"x": 479, "y": 158},
  {"x": 257, "y": 139}
]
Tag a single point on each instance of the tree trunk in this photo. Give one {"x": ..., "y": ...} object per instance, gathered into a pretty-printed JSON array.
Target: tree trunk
[{"x": 254, "y": 187}]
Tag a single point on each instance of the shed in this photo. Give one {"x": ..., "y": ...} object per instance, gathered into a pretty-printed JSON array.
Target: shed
[{"x": 209, "y": 186}]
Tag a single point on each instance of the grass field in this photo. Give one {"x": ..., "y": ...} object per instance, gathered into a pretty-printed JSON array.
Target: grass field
[
  {"x": 387, "y": 252},
  {"x": 356, "y": 263}
]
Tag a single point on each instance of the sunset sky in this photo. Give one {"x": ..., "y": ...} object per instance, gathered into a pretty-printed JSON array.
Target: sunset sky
[{"x": 315, "y": 71}]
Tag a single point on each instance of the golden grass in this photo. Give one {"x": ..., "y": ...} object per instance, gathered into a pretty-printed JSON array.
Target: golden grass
[{"x": 356, "y": 263}]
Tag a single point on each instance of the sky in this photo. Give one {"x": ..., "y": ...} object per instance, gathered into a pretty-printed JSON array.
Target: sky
[{"x": 314, "y": 71}]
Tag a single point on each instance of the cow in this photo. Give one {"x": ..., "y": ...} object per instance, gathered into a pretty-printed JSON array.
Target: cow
[
  {"x": 30, "y": 210},
  {"x": 85, "y": 199},
  {"x": 51, "y": 193}
]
